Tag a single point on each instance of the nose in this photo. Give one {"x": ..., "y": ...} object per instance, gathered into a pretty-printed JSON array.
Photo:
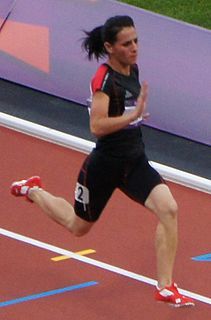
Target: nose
[{"x": 134, "y": 46}]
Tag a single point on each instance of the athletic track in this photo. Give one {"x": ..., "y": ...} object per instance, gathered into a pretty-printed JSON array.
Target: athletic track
[{"x": 113, "y": 282}]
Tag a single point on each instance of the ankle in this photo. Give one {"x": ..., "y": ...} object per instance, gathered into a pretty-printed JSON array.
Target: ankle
[
  {"x": 163, "y": 284},
  {"x": 33, "y": 193}
]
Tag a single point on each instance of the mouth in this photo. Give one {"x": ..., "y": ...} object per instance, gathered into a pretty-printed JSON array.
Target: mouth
[{"x": 134, "y": 56}]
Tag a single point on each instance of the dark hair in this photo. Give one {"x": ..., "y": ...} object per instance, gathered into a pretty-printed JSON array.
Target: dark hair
[{"x": 94, "y": 41}]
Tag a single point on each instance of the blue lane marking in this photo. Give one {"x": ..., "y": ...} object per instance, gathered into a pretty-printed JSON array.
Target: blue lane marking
[
  {"x": 204, "y": 257},
  {"x": 48, "y": 293}
]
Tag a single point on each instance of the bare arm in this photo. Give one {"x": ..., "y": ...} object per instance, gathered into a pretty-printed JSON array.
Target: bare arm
[{"x": 101, "y": 124}]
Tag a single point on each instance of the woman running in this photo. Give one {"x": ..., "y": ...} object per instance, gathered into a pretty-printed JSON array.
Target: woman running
[{"x": 117, "y": 109}]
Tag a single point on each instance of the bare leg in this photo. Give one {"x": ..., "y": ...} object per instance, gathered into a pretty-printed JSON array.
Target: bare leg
[
  {"x": 60, "y": 211},
  {"x": 162, "y": 203}
]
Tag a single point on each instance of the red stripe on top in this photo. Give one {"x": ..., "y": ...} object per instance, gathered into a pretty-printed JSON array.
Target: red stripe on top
[{"x": 97, "y": 81}]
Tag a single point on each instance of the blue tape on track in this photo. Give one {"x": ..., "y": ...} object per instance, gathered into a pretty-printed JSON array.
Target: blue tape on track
[
  {"x": 204, "y": 257},
  {"x": 48, "y": 293}
]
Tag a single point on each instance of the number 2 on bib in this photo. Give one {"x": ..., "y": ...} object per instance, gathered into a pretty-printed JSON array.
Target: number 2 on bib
[{"x": 81, "y": 193}]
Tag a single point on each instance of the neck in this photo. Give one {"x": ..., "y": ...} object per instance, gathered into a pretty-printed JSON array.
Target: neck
[{"x": 118, "y": 67}]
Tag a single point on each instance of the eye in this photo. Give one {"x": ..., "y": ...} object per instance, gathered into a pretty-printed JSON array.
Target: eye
[{"x": 128, "y": 43}]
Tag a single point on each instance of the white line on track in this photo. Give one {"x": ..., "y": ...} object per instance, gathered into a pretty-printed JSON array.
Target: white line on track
[{"x": 95, "y": 263}]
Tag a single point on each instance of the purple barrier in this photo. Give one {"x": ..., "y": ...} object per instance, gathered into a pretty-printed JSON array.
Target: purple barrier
[
  {"x": 5, "y": 8},
  {"x": 174, "y": 59}
]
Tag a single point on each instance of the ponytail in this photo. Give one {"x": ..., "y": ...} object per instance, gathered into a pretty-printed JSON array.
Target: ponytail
[{"x": 93, "y": 43}]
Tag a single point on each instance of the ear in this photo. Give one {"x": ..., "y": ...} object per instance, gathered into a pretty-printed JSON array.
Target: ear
[{"x": 108, "y": 47}]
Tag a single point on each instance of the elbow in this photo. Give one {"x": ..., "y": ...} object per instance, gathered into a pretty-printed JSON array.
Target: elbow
[{"x": 96, "y": 131}]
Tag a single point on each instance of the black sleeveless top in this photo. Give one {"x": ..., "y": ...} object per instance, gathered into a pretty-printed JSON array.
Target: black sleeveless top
[{"x": 123, "y": 92}]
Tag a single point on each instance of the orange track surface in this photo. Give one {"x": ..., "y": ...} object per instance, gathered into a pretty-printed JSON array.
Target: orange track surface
[{"x": 123, "y": 237}]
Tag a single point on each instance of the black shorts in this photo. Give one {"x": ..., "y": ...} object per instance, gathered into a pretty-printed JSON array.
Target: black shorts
[{"x": 101, "y": 175}]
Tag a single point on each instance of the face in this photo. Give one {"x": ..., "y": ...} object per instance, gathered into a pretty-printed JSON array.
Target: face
[{"x": 125, "y": 49}]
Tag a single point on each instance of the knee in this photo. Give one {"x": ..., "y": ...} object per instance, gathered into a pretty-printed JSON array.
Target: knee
[
  {"x": 172, "y": 209},
  {"x": 168, "y": 214},
  {"x": 79, "y": 228},
  {"x": 166, "y": 210},
  {"x": 79, "y": 232}
]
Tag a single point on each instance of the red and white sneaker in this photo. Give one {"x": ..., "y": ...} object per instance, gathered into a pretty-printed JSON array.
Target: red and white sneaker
[
  {"x": 172, "y": 296},
  {"x": 22, "y": 187}
]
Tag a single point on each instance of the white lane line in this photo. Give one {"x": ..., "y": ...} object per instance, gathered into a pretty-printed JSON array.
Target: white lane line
[{"x": 95, "y": 263}]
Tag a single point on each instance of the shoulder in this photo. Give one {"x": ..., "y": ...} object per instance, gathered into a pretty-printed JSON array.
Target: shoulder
[{"x": 101, "y": 78}]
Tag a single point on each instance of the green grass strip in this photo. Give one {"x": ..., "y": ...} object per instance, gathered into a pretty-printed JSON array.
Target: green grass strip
[{"x": 197, "y": 12}]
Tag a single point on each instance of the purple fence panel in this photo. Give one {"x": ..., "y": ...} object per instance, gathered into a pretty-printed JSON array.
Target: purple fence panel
[
  {"x": 5, "y": 8},
  {"x": 174, "y": 58}
]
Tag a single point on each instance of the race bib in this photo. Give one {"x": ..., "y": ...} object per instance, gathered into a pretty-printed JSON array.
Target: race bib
[{"x": 81, "y": 193}]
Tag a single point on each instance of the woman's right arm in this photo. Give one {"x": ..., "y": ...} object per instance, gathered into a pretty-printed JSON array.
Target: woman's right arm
[{"x": 101, "y": 124}]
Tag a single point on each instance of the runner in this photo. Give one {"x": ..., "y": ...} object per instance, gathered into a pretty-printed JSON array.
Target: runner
[{"x": 117, "y": 108}]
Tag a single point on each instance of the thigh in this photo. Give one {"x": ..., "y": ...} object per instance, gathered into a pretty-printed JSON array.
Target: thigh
[
  {"x": 141, "y": 180},
  {"x": 96, "y": 182}
]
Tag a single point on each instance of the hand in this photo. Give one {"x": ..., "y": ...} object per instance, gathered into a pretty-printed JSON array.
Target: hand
[{"x": 142, "y": 102}]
